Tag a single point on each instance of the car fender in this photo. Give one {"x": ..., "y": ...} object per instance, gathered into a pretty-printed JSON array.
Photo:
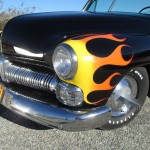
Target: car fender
[{"x": 104, "y": 59}]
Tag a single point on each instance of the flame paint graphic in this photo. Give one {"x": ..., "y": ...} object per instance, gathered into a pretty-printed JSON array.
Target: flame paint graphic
[{"x": 88, "y": 64}]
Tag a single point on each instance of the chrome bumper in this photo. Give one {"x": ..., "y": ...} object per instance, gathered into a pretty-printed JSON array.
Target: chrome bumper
[{"x": 55, "y": 117}]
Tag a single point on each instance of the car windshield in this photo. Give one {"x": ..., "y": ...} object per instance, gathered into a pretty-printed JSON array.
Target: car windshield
[{"x": 135, "y": 6}]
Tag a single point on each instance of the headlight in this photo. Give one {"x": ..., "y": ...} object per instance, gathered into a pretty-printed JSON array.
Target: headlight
[{"x": 65, "y": 61}]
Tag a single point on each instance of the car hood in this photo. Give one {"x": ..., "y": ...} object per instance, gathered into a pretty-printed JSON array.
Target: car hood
[{"x": 41, "y": 33}]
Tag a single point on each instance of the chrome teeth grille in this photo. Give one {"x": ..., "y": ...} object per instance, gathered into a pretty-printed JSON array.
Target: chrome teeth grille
[{"x": 28, "y": 77}]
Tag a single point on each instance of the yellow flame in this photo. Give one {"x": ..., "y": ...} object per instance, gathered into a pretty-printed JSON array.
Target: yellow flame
[{"x": 88, "y": 64}]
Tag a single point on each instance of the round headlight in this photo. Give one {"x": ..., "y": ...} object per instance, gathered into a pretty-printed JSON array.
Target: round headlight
[{"x": 65, "y": 61}]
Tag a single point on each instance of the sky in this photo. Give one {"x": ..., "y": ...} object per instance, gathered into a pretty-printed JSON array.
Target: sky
[
  {"x": 75, "y": 5},
  {"x": 46, "y": 5}
]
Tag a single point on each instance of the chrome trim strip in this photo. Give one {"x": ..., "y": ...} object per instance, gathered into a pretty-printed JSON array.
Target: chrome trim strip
[{"x": 56, "y": 117}]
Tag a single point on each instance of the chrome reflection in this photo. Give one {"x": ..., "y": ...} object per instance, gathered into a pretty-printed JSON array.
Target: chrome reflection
[
  {"x": 25, "y": 52},
  {"x": 24, "y": 76},
  {"x": 27, "y": 77},
  {"x": 123, "y": 98},
  {"x": 53, "y": 116}
]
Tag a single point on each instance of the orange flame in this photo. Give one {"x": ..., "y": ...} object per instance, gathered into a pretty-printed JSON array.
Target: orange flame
[
  {"x": 104, "y": 36},
  {"x": 88, "y": 64},
  {"x": 113, "y": 59},
  {"x": 106, "y": 84}
]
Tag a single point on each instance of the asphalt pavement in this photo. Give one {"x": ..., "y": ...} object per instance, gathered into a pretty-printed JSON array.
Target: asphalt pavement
[{"x": 17, "y": 133}]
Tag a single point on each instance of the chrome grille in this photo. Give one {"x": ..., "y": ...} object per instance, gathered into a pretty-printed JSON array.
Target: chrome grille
[{"x": 27, "y": 77}]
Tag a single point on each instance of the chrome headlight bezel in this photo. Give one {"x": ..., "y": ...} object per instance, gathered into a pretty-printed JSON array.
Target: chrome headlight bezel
[{"x": 73, "y": 61}]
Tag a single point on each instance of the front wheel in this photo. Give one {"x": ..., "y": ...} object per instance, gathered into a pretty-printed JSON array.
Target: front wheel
[{"x": 128, "y": 98}]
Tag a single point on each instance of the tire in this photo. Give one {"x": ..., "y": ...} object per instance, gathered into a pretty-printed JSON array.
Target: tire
[{"x": 128, "y": 98}]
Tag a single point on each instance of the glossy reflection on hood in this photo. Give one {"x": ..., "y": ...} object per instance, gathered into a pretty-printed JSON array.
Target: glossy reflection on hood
[{"x": 24, "y": 52}]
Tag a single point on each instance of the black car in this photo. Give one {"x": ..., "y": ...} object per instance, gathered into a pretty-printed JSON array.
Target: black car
[{"x": 77, "y": 71}]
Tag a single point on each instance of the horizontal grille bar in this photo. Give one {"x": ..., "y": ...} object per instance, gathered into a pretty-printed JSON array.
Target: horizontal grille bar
[{"x": 27, "y": 77}]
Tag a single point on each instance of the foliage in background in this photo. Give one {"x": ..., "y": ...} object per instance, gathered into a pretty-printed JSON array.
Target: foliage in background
[{"x": 6, "y": 15}]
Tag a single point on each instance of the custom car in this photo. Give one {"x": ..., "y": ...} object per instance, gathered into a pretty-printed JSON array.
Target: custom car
[{"x": 77, "y": 71}]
